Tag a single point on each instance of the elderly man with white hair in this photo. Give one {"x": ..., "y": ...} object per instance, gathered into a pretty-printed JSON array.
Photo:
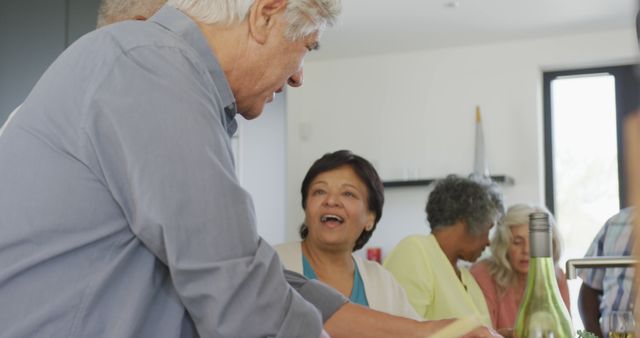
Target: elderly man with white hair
[
  {"x": 141, "y": 228},
  {"x": 120, "y": 214}
]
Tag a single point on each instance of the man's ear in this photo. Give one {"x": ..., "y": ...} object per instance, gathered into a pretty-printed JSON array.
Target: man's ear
[{"x": 262, "y": 17}]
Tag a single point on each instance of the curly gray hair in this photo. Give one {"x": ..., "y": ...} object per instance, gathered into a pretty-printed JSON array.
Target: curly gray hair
[
  {"x": 303, "y": 16},
  {"x": 454, "y": 198},
  {"x": 517, "y": 214}
]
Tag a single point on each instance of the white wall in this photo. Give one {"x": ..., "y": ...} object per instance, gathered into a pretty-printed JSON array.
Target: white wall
[
  {"x": 262, "y": 167},
  {"x": 414, "y": 112}
]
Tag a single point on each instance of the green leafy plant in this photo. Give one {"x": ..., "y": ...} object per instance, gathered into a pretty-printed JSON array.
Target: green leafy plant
[{"x": 586, "y": 334}]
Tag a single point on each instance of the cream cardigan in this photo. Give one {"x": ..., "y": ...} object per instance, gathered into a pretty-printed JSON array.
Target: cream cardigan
[{"x": 383, "y": 292}]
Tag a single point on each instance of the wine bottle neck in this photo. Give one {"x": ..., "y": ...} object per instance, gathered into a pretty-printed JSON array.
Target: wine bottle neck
[
  {"x": 542, "y": 274},
  {"x": 540, "y": 243}
]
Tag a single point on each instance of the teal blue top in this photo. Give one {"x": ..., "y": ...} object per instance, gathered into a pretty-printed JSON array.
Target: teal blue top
[{"x": 358, "y": 295}]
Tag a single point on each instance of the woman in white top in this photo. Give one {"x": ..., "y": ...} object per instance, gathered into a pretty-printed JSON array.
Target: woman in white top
[{"x": 342, "y": 197}]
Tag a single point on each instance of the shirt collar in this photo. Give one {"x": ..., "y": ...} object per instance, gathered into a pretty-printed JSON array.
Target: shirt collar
[{"x": 181, "y": 24}]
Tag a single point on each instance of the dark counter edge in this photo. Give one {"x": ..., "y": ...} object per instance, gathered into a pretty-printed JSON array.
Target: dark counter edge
[{"x": 500, "y": 179}]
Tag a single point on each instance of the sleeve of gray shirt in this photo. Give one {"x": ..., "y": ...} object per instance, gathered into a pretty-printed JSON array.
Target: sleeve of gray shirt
[
  {"x": 325, "y": 298},
  {"x": 154, "y": 126}
]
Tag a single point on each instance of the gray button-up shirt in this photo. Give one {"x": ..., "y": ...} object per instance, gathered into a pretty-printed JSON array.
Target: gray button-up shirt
[{"x": 120, "y": 213}]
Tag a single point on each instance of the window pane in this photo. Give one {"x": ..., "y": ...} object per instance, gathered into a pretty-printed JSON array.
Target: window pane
[{"x": 585, "y": 158}]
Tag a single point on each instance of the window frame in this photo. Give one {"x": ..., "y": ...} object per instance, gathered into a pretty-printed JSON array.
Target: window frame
[{"x": 626, "y": 87}]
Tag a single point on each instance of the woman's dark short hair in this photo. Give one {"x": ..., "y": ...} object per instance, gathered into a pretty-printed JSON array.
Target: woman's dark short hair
[
  {"x": 455, "y": 198},
  {"x": 365, "y": 172}
]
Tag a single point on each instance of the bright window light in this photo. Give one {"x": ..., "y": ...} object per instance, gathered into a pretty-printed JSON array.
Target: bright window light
[{"x": 585, "y": 159}]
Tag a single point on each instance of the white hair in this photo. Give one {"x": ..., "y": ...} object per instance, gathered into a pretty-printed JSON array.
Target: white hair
[
  {"x": 303, "y": 16},
  {"x": 517, "y": 214},
  {"x": 111, "y": 11}
]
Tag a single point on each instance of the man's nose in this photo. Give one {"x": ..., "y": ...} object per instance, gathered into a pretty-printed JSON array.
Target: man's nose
[{"x": 296, "y": 79}]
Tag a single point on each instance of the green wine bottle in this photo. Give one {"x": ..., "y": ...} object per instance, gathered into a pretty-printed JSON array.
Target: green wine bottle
[{"x": 542, "y": 312}]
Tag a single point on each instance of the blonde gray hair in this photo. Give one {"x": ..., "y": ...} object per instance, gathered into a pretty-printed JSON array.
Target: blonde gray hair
[
  {"x": 303, "y": 16},
  {"x": 517, "y": 214},
  {"x": 111, "y": 11}
]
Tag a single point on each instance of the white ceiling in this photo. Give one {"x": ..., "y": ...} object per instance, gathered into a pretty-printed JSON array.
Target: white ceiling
[{"x": 368, "y": 27}]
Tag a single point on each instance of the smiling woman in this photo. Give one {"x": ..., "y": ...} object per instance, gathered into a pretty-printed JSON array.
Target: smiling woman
[{"x": 342, "y": 196}]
